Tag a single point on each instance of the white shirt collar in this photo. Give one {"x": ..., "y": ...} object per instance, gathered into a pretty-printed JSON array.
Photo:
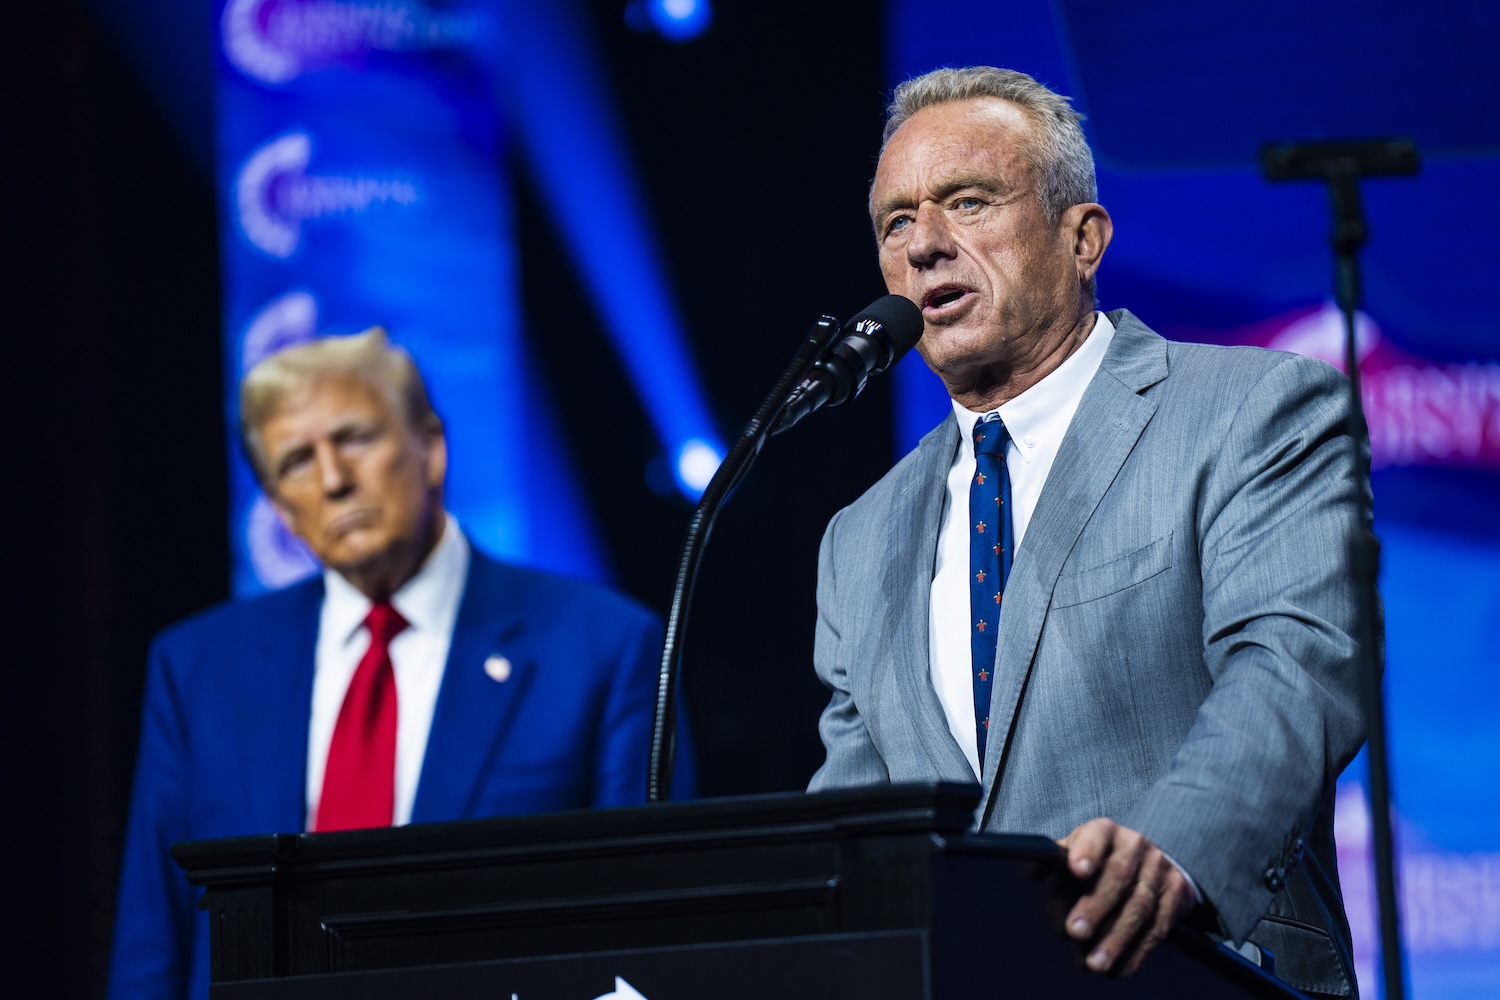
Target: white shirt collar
[
  {"x": 426, "y": 601},
  {"x": 1031, "y": 415}
]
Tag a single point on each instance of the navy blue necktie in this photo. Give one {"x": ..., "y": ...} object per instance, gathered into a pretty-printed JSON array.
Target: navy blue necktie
[{"x": 991, "y": 545}]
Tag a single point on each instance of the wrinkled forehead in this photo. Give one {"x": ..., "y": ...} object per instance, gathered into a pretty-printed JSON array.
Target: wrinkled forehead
[
  {"x": 992, "y": 118},
  {"x": 955, "y": 142}
]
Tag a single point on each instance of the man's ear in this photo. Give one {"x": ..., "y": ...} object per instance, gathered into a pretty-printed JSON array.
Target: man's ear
[
  {"x": 1091, "y": 229},
  {"x": 437, "y": 458}
]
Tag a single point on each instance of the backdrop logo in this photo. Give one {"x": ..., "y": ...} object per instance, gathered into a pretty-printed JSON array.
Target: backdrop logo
[
  {"x": 1450, "y": 902},
  {"x": 278, "y": 557},
  {"x": 286, "y": 320},
  {"x": 275, "y": 195},
  {"x": 1420, "y": 412},
  {"x": 275, "y": 41}
]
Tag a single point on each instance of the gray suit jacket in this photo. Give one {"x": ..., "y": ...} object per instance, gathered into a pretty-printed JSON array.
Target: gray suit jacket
[{"x": 1175, "y": 649}]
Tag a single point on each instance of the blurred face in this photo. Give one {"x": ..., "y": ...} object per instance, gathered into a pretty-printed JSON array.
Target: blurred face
[
  {"x": 961, "y": 233},
  {"x": 354, "y": 482}
]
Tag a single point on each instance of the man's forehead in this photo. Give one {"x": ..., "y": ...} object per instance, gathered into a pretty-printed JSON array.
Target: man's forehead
[
  {"x": 323, "y": 403},
  {"x": 957, "y": 143},
  {"x": 991, "y": 122}
]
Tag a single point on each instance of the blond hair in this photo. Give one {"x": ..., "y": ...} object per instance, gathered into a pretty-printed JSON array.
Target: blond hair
[{"x": 369, "y": 357}]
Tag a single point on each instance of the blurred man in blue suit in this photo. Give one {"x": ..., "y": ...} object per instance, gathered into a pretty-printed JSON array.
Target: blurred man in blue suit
[{"x": 414, "y": 680}]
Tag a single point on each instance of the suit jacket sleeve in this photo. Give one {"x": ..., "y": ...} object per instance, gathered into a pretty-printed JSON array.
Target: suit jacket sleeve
[
  {"x": 154, "y": 912},
  {"x": 1284, "y": 714},
  {"x": 851, "y": 755}
]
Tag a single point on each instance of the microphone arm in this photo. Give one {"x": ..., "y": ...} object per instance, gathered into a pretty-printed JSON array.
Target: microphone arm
[
  {"x": 734, "y": 467},
  {"x": 827, "y": 369}
]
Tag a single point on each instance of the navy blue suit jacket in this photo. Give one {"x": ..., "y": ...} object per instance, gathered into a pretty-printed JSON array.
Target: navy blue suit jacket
[{"x": 223, "y": 745}]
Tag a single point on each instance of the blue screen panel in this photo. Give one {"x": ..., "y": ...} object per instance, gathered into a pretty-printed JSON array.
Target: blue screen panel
[
  {"x": 359, "y": 152},
  {"x": 362, "y": 172},
  {"x": 1284, "y": 69}
]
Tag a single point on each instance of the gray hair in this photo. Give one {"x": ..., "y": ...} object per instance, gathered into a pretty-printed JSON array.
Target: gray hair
[
  {"x": 369, "y": 357},
  {"x": 1058, "y": 155}
]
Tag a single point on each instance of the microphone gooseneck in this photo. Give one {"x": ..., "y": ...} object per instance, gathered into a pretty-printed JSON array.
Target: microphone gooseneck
[{"x": 831, "y": 366}]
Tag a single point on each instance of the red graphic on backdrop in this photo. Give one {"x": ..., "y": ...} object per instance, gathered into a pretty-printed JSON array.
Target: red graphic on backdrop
[{"x": 1420, "y": 412}]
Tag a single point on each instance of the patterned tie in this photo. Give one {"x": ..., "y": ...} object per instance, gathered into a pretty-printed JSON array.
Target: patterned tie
[
  {"x": 991, "y": 545},
  {"x": 359, "y": 783}
]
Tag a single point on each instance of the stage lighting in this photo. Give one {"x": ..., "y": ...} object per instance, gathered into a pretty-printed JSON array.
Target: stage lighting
[
  {"x": 696, "y": 464},
  {"x": 674, "y": 20}
]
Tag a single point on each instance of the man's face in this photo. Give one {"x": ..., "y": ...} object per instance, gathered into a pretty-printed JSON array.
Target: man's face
[
  {"x": 352, "y": 480},
  {"x": 961, "y": 233}
]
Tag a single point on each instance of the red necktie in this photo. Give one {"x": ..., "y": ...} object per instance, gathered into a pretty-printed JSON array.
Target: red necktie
[{"x": 359, "y": 783}]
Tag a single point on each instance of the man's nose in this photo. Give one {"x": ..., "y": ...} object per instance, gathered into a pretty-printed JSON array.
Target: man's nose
[
  {"x": 333, "y": 471},
  {"x": 930, "y": 239}
]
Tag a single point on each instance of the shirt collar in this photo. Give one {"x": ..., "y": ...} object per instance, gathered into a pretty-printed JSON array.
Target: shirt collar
[
  {"x": 421, "y": 600},
  {"x": 1031, "y": 413}
]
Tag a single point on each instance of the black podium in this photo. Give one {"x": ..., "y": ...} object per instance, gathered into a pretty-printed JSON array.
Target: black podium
[{"x": 869, "y": 894}]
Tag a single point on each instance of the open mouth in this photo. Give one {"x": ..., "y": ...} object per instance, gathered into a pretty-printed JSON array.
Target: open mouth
[{"x": 940, "y": 297}]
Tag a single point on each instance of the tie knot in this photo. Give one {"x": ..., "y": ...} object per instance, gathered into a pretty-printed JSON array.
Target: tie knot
[
  {"x": 990, "y": 437},
  {"x": 384, "y": 622}
]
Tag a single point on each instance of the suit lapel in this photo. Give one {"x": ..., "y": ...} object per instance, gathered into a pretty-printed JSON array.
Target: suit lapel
[
  {"x": 907, "y": 591},
  {"x": 473, "y": 709},
  {"x": 275, "y": 706},
  {"x": 1110, "y": 418}
]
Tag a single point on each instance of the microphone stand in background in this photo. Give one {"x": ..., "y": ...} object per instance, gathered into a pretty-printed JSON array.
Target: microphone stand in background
[
  {"x": 1341, "y": 164},
  {"x": 828, "y": 369}
]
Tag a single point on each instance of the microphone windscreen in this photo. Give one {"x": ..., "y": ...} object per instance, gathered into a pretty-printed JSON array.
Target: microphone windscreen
[{"x": 900, "y": 319}]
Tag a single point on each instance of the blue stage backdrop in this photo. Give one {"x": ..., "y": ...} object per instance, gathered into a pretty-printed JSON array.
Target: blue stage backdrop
[
  {"x": 1179, "y": 98},
  {"x": 362, "y": 181}
]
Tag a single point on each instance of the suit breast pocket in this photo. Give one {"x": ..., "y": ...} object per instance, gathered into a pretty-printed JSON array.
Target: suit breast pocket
[{"x": 1114, "y": 575}]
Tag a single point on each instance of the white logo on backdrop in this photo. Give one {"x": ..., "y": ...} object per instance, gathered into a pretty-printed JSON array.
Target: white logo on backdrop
[
  {"x": 285, "y": 320},
  {"x": 275, "y": 195},
  {"x": 275, "y": 41},
  {"x": 277, "y": 556},
  {"x": 1450, "y": 901}
]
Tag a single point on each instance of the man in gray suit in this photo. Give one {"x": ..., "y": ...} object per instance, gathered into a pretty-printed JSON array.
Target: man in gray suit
[{"x": 1174, "y": 691}]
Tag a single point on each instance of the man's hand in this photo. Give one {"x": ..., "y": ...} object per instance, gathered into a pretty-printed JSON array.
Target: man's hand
[{"x": 1137, "y": 894}]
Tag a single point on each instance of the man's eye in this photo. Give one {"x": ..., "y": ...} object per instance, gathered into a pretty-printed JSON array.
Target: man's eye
[
  {"x": 359, "y": 436},
  {"x": 967, "y": 202},
  {"x": 897, "y": 224},
  {"x": 293, "y": 464}
]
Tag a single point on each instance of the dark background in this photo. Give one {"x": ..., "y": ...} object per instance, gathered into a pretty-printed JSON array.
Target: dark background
[{"x": 115, "y": 486}]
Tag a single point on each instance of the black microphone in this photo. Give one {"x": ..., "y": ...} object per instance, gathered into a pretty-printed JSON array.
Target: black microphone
[{"x": 871, "y": 342}]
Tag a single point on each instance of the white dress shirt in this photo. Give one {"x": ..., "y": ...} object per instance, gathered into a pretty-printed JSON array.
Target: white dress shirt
[
  {"x": 1037, "y": 419},
  {"x": 429, "y": 603}
]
